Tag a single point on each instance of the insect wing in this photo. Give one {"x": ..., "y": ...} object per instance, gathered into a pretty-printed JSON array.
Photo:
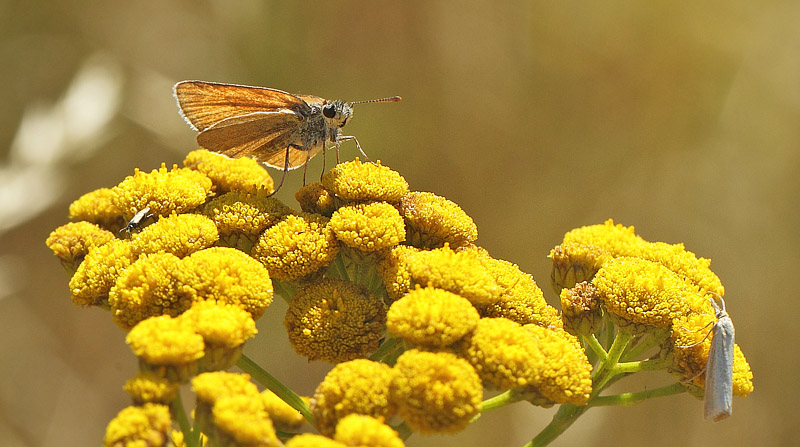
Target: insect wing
[
  {"x": 719, "y": 369},
  {"x": 204, "y": 104},
  {"x": 261, "y": 134}
]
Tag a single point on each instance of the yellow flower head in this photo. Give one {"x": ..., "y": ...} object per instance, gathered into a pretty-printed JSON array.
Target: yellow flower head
[
  {"x": 147, "y": 387},
  {"x": 179, "y": 234},
  {"x": 521, "y": 299},
  {"x": 146, "y": 289},
  {"x": 282, "y": 414},
  {"x": 312, "y": 440},
  {"x": 358, "y": 430},
  {"x": 359, "y": 386},
  {"x": 210, "y": 386},
  {"x": 641, "y": 294},
  {"x": 164, "y": 341},
  {"x": 431, "y": 317},
  {"x": 508, "y": 355},
  {"x": 433, "y": 221},
  {"x": 241, "y": 216},
  {"x": 618, "y": 240},
  {"x": 97, "y": 207},
  {"x": 393, "y": 270},
  {"x": 227, "y": 174},
  {"x": 226, "y": 275},
  {"x": 314, "y": 198},
  {"x": 582, "y": 311},
  {"x": 241, "y": 420},
  {"x": 566, "y": 378},
  {"x": 574, "y": 263},
  {"x": 333, "y": 321},
  {"x": 177, "y": 190},
  {"x": 368, "y": 227},
  {"x": 297, "y": 246},
  {"x": 71, "y": 242},
  {"x": 436, "y": 392},
  {"x": 147, "y": 425},
  {"x": 690, "y": 347},
  {"x": 359, "y": 181},
  {"x": 459, "y": 272},
  {"x": 224, "y": 328},
  {"x": 99, "y": 271}
]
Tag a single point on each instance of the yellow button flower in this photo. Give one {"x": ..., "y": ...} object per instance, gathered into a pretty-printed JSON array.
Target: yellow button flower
[
  {"x": 574, "y": 263},
  {"x": 241, "y": 420},
  {"x": 521, "y": 299},
  {"x": 581, "y": 307},
  {"x": 433, "y": 221},
  {"x": 167, "y": 347},
  {"x": 358, "y": 386},
  {"x": 359, "y": 181},
  {"x": 177, "y": 190},
  {"x": 146, "y": 289},
  {"x": 97, "y": 207},
  {"x": 431, "y": 317},
  {"x": 297, "y": 246},
  {"x": 147, "y": 387},
  {"x": 314, "y": 198},
  {"x": 393, "y": 270},
  {"x": 357, "y": 430},
  {"x": 241, "y": 216},
  {"x": 457, "y": 272},
  {"x": 227, "y": 174},
  {"x": 99, "y": 271},
  {"x": 71, "y": 242},
  {"x": 312, "y": 440},
  {"x": 643, "y": 294},
  {"x": 227, "y": 275},
  {"x": 179, "y": 234},
  {"x": 436, "y": 392},
  {"x": 212, "y": 386},
  {"x": 224, "y": 328},
  {"x": 508, "y": 355},
  {"x": 334, "y": 321},
  {"x": 282, "y": 414},
  {"x": 147, "y": 425},
  {"x": 618, "y": 240},
  {"x": 368, "y": 227}
]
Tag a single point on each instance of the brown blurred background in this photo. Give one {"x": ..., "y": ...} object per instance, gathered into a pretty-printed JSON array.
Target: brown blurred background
[{"x": 536, "y": 117}]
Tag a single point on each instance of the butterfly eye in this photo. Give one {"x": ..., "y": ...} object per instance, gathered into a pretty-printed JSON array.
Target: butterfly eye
[{"x": 329, "y": 111}]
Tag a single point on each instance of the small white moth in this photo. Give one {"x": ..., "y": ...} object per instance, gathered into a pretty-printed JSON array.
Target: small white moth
[{"x": 719, "y": 367}]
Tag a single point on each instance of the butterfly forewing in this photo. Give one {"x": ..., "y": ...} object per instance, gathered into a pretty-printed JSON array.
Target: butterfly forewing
[
  {"x": 260, "y": 135},
  {"x": 204, "y": 104}
]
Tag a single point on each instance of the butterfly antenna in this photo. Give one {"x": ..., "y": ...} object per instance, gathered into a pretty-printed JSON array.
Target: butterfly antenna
[{"x": 389, "y": 99}]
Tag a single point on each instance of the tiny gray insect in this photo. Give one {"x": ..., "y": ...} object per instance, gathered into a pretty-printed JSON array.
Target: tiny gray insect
[
  {"x": 137, "y": 220},
  {"x": 719, "y": 367}
]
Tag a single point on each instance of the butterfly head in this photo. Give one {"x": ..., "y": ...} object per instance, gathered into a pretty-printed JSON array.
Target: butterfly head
[{"x": 337, "y": 113}]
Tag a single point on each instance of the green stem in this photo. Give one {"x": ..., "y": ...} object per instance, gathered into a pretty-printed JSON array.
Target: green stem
[
  {"x": 266, "y": 379},
  {"x": 566, "y": 415},
  {"x": 596, "y": 347},
  {"x": 626, "y": 399},
  {"x": 340, "y": 267},
  {"x": 643, "y": 365},
  {"x": 191, "y": 437},
  {"x": 389, "y": 345},
  {"x": 283, "y": 290},
  {"x": 499, "y": 401},
  {"x": 643, "y": 346},
  {"x": 404, "y": 431}
]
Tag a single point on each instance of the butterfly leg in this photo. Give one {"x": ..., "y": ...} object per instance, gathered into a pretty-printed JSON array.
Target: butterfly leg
[
  {"x": 350, "y": 137},
  {"x": 285, "y": 170}
]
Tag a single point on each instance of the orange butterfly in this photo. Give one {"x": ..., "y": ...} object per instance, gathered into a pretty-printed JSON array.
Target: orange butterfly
[{"x": 277, "y": 128}]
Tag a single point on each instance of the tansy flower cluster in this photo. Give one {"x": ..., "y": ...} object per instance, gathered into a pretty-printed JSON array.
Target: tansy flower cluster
[{"x": 386, "y": 284}]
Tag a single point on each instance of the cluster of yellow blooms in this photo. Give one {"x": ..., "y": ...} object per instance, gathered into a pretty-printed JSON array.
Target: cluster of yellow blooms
[{"x": 383, "y": 282}]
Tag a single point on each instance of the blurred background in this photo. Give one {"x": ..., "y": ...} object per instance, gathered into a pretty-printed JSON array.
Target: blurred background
[{"x": 535, "y": 117}]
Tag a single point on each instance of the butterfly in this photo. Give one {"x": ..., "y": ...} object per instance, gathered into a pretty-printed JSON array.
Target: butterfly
[{"x": 279, "y": 129}]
